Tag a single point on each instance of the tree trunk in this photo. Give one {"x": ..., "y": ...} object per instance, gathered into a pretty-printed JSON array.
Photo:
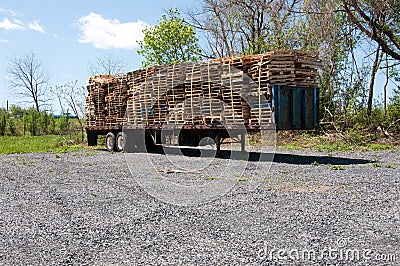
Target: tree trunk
[
  {"x": 375, "y": 67},
  {"x": 82, "y": 129},
  {"x": 37, "y": 105},
  {"x": 385, "y": 87}
]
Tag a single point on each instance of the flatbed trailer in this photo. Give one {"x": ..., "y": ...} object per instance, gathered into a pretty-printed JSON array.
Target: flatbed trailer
[{"x": 220, "y": 99}]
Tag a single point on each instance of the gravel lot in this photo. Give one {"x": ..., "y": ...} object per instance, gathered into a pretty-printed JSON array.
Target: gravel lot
[{"x": 87, "y": 208}]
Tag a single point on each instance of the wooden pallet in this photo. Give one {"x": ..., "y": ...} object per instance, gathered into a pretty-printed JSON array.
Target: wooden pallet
[{"x": 233, "y": 90}]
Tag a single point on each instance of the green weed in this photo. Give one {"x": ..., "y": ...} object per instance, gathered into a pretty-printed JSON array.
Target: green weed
[
  {"x": 333, "y": 146},
  {"x": 242, "y": 179},
  {"x": 291, "y": 146},
  {"x": 378, "y": 147},
  {"x": 335, "y": 167},
  {"x": 90, "y": 153}
]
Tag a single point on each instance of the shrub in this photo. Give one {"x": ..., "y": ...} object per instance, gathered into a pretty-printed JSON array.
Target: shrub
[{"x": 3, "y": 124}]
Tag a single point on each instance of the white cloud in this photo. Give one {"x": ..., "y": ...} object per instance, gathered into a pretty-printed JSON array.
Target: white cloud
[
  {"x": 106, "y": 33},
  {"x": 12, "y": 13},
  {"x": 36, "y": 26},
  {"x": 9, "y": 12},
  {"x": 8, "y": 25},
  {"x": 3, "y": 41},
  {"x": 57, "y": 37}
]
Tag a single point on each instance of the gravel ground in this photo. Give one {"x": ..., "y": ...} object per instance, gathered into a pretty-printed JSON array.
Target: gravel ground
[{"x": 91, "y": 207}]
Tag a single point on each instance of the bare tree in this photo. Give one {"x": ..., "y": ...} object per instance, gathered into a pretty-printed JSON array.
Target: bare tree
[
  {"x": 107, "y": 65},
  {"x": 379, "y": 20},
  {"x": 222, "y": 24},
  {"x": 28, "y": 78},
  {"x": 233, "y": 27},
  {"x": 73, "y": 97}
]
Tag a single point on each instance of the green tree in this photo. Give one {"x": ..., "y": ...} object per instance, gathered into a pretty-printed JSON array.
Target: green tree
[
  {"x": 395, "y": 99},
  {"x": 3, "y": 121},
  {"x": 173, "y": 40},
  {"x": 32, "y": 121}
]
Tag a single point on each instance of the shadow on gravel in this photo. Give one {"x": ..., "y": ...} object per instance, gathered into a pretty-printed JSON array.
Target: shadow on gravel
[
  {"x": 309, "y": 159},
  {"x": 262, "y": 157}
]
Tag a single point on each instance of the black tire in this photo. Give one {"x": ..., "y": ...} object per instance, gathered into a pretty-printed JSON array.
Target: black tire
[
  {"x": 119, "y": 142},
  {"x": 92, "y": 139},
  {"x": 149, "y": 142},
  {"x": 110, "y": 142},
  {"x": 188, "y": 140}
]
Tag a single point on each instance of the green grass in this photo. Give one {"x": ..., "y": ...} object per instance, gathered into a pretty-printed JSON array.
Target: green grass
[
  {"x": 343, "y": 147},
  {"x": 379, "y": 147},
  {"x": 333, "y": 146},
  {"x": 47, "y": 143},
  {"x": 323, "y": 144},
  {"x": 291, "y": 146}
]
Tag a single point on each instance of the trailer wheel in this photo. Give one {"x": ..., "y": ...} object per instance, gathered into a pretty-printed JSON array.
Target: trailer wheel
[
  {"x": 119, "y": 142},
  {"x": 149, "y": 142},
  {"x": 110, "y": 142},
  {"x": 188, "y": 140}
]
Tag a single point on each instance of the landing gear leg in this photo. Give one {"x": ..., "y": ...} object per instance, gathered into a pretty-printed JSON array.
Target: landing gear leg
[
  {"x": 243, "y": 142},
  {"x": 218, "y": 144}
]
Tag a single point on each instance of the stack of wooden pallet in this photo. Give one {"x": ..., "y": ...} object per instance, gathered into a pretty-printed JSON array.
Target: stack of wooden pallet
[
  {"x": 289, "y": 68},
  {"x": 306, "y": 69},
  {"x": 106, "y": 102},
  {"x": 95, "y": 101},
  {"x": 141, "y": 97},
  {"x": 175, "y": 91},
  {"x": 115, "y": 100},
  {"x": 231, "y": 91}
]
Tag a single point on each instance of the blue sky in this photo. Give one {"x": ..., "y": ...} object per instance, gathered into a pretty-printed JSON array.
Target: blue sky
[{"x": 68, "y": 35}]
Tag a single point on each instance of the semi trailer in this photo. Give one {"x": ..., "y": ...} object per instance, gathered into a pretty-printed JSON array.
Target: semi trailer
[{"x": 183, "y": 104}]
